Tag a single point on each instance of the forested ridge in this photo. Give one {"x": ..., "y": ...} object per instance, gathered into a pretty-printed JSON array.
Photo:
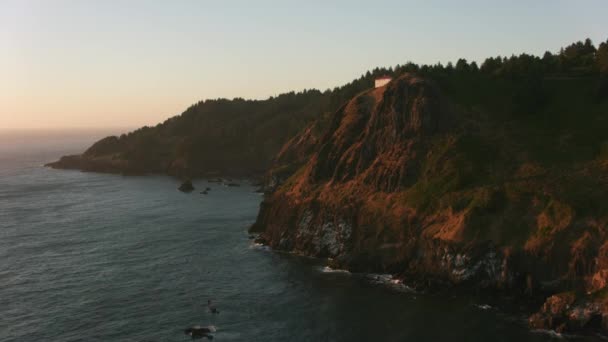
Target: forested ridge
[{"x": 242, "y": 137}]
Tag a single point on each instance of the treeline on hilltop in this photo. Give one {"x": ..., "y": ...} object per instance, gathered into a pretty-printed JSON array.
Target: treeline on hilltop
[
  {"x": 524, "y": 77},
  {"x": 222, "y": 136},
  {"x": 241, "y": 137}
]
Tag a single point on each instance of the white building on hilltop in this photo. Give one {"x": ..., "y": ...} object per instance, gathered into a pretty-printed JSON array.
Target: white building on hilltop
[{"x": 382, "y": 81}]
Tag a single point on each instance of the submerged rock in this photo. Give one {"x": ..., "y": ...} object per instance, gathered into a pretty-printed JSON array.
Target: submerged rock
[
  {"x": 197, "y": 331},
  {"x": 186, "y": 186}
]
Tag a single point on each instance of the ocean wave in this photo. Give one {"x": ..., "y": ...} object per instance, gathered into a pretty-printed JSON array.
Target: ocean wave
[{"x": 259, "y": 246}]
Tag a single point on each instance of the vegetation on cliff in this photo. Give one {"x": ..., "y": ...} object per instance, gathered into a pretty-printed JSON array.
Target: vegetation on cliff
[
  {"x": 492, "y": 176},
  {"x": 241, "y": 137},
  {"x": 235, "y": 137}
]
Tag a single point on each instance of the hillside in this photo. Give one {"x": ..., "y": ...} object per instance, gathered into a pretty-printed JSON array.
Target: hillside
[
  {"x": 241, "y": 137},
  {"x": 234, "y": 137},
  {"x": 480, "y": 177},
  {"x": 215, "y": 137},
  {"x": 490, "y": 177}
]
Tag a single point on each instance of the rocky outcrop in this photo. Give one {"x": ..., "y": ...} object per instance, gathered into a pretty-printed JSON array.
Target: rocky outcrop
[
  {"x": 186, "y": 186},
  {"x": 567, "y": 312},
  {"x": 405, "y": 181}
]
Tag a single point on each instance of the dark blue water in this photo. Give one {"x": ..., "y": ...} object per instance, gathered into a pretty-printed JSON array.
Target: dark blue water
[{"x": 94, "y": 257}]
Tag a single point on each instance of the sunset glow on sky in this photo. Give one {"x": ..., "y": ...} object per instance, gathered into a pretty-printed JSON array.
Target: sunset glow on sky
[{"x": 131, "y": 63}]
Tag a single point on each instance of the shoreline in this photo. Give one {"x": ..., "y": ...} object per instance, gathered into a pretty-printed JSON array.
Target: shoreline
[
  {"x": 517, "y": 307},
  {"x": 212, "y": 177}
]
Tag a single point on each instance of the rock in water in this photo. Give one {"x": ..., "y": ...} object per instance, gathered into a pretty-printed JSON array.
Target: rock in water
[
  {"x": 186, "y": 186},
  {"x": 200, "y": 332}
]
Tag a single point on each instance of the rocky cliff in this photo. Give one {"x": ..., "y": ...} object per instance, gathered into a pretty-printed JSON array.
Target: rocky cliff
[{"x": 406, "y": 179}]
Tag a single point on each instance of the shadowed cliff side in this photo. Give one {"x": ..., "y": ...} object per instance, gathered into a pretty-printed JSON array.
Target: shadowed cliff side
[
  {"x": 224, "y": 137},
  {"x": 216, "y": 137},
  {"x": 409, "y": 180}
]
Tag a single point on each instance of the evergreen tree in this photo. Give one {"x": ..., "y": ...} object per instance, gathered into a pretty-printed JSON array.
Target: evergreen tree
[
  {"x": 462, "y": 65},
  {"x": 602, "y": 58}
]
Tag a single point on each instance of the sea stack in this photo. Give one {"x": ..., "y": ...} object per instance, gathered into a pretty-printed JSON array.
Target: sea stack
[{"x": 186, "y": 186}]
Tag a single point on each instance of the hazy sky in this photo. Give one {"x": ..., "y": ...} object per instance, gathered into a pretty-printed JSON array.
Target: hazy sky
[{"x": 129, "y": 63}]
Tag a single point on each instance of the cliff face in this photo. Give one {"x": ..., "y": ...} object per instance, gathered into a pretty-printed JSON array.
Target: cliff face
[{"x": 404, "y": 180}]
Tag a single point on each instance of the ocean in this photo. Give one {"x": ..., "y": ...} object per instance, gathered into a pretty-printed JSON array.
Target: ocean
[{"x": 100, "y": 257}]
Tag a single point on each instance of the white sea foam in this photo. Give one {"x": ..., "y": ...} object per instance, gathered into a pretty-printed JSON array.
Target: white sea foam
[
  {"x": 388, "y": 280},
  {"x": 327, "y": 269},
  {"x": 259, "y": 246},
  {"x": 551, "y": 333}
]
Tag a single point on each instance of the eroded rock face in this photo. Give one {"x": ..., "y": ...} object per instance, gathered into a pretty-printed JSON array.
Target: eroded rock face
[
  {"x": 401, "y": 181},
  {"x": 375, "y": 145},
  {"x": 328, "y": 238},
  {"x": 554, "y": 312},
  {"x": 378, "y": 137},
  {"x": 488, "y": 266}
]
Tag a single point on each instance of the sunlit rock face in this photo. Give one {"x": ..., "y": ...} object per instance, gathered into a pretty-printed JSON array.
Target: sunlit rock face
[{"x": 401, "y": 181}]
